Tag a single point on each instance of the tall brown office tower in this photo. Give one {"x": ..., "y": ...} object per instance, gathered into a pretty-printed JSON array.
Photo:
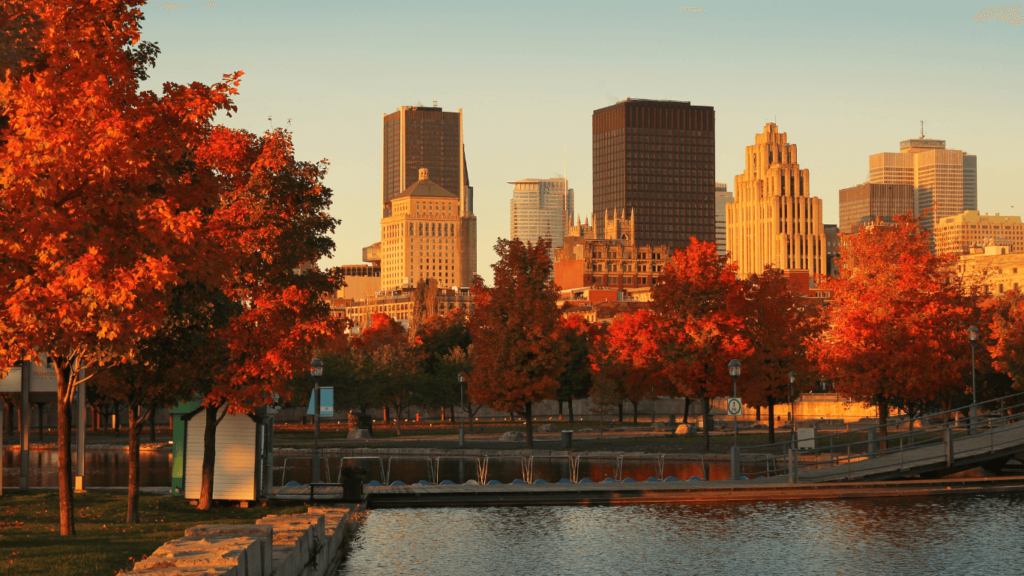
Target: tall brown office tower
[
  {"x": 418, "y": 137},
  {"x": 656, "y": 159}
]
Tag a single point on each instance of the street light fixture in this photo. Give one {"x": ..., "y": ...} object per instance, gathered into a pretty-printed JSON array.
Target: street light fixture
[
  {"x": 734, "y": 370},
  {"x": 316, "y": 368},
  {"x": 462, "y": 407},
  {"x": 972, "y": 335}
]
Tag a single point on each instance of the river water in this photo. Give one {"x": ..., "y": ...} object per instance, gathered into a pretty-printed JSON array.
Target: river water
[
  {"x": 981, "y": 535},
  {"x": 105, "y": 468}
]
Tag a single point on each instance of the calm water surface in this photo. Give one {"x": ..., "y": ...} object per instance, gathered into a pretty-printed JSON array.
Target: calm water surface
[
  {"x": 981, "y": 535},
  {"x": 102, "y": 468}
]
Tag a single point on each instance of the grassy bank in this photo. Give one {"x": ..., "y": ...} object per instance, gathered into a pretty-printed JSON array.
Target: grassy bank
[{"x": 30, "y": 541}]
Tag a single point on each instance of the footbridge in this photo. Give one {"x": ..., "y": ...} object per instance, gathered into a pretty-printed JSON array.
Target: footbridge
[{"x": 985, "y": 434}]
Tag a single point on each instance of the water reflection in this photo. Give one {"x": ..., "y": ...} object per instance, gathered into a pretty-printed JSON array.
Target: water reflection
[
  {"x": 504, "y": 469},
  {"x": 102, "y": 469},
  {"x": 945, "y": 535}
]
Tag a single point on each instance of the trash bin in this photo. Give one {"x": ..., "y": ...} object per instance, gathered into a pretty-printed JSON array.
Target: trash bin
[
  {"x": 567, "y": 439},
  {"x": 360, "y": 421},
  {"x": 352, "y": 478}
]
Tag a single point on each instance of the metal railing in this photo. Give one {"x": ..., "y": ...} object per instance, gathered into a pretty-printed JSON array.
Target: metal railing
[{"x": 896, "y": 452}]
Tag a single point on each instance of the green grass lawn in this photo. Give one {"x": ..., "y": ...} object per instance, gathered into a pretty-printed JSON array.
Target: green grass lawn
[{"x": 30, "y": 541}]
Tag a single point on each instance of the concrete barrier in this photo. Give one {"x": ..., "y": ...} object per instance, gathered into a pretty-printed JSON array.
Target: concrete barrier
[
  {"x": 265, "y": 535},
  {"x": 226, "y": 554}
]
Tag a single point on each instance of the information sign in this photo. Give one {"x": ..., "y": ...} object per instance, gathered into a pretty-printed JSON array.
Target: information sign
[{"x": 735, "y": 406}]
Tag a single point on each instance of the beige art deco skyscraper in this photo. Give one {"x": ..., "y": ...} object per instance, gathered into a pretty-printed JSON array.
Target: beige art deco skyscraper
[{"x": 774, "y": 220}]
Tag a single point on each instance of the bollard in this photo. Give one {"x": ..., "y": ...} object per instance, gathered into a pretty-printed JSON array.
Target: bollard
[
  {"x": 707, "y": 471},
  {"x": 793, "y": 463},
  {"x": 872, "y": 444},
  {"x": 567, "y": 439},
  {"x": 462, "y": 436},
  {"x": 949, "y": 447}
]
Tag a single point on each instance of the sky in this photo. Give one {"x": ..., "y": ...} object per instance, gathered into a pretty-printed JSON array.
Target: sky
[{"x": 843, "y": 80}]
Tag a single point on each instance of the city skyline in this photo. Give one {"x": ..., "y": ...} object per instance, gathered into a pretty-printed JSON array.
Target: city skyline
[{"x": 839, "y": 107}]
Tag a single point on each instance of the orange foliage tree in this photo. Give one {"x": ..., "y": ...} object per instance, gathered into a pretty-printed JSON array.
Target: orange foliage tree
[
  {"x": 576, "y": 380},
  {"x": 1007, "y": 329},
  {"x": 518, "y": 352},
  {"x": 696, "y": 298},
  {"x": 631, "y": 357},
  {"x": 391, "y": 363},
  {"x": 895, "y": 329},
  {"x": 101, "y": 208},
  {"x": 777, "y": 324}
]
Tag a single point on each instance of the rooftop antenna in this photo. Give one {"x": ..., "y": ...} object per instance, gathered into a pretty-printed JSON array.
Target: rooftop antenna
[{"x": 922, "y": 129}]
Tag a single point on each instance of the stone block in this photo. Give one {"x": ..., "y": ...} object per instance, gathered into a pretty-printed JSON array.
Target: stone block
[
  {"x": 659, "y": 426},
  {"x": 179, "y": 571},
  {"x": 547, "y": 428},
  {"x": 335, "y": 520},
  {"x": 359, "y": 434},
  {"x": 211, "y": 551},
  {"x": 686, "y": 429},
  {"x": 265, "y": 534},
  {"x": 512, "y": 437}
]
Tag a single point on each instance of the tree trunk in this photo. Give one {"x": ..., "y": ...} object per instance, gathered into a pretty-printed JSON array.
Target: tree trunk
[
  {"x": 620, "y": 411},
  {"x": 152, "y": 424},
  {"x": 386, "y": 419},
  {"x": 209, "y": 458},
  {"x": 398, "y": 419},
  {"x": 635, "y": 404},
  {"x": 771, "y": 421},
  {"x": 8, "y": 417},
  {"x": 560, "y": 410},
  {"x": 134, "y": 427},
  {"x": 529, "y": 424},
  {"x": 686, "y": 410},
  {"x": 572, "y": 417},
  {"x": 451, "y": 417},
  {"x": 758, "y": 415},
  {"x": 883, "y": 418},
  {"x": 707, "y": 423},
  {"x": 442, "y": 413},
  {"x": 65, "y": 392}
]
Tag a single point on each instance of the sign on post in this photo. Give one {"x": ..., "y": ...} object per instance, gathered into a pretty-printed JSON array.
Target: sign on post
[
  {"x": 735, "y": 406},
  {"x": 326, "y": 402}
]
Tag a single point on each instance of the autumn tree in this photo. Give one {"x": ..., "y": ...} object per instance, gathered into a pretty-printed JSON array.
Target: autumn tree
[
  {"x": 696, "y": 298},
  {"x": 518, "y": 351},
  {"x": 776, "y": 323},
  {"x": 895, "y": 330},
  {"x": 101, "y": 208},
  {"x": 632, "y": 357},
  {"x": 437, "y": 338},
  {"x": 576, "y": 380},
  {"x": 391, "y": 361},
  {"x": 1007, "y": 329}
]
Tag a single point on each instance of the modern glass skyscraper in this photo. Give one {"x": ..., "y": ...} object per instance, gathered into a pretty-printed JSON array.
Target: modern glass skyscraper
[
  {"x": 722, "y": 198},
  {"x": 541, "y": 209},
  {"x": 945, "y": 181},
  {"x": 422, "y": 137},
  {"x": 656, "y": 159}
]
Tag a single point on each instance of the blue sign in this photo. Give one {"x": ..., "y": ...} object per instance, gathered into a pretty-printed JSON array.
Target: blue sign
[{"x": 326, "y": 402}]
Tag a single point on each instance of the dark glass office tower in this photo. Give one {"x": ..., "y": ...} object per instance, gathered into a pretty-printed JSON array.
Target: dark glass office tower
[
  {"x": 422, "y": 137},
  {"x": 656, "y": 159}
]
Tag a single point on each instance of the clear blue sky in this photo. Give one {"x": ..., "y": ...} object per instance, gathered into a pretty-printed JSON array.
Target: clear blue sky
[{"x": 844, "y": 80}]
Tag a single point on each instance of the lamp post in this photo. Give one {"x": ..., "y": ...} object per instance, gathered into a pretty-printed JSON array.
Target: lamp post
[
  {"x": 462, "y": 407},
  {"x": 316, "y": 368},
  {"x": 972, "y": 335},
  {"x": 792, "y": 413},
  {"x": 734, "y": 370}
]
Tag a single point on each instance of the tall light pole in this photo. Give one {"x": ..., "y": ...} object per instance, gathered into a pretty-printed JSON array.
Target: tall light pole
[
  {"x": 462, "y": 406},
  {"x": 792, "y": 413},
  {"x": 972, "y": 335},
  {"x": 316, "y": 368},
  {"x": 734, "y": 370}
]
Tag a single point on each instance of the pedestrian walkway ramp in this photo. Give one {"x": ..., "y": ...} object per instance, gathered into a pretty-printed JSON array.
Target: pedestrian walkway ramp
[{"x": 986, "y": 434}]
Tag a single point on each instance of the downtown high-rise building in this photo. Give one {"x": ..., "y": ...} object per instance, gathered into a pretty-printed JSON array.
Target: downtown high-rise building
[
  {"x": 774, "y": 220},
  {"x": 655, "y": 159},
  {"x": 541, "y": 209},
  {"x": 418, "y": 137},
  {"x": 722, "y": 198},
  {"x": 869, "y": 202},
  {"x": 424, "y": 155},
  {"x": 945, "y": 181}
]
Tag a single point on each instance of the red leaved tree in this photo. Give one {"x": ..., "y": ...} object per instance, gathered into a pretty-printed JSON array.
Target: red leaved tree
[
  {"x": 633, "y": 358},
  {"x": 697, "y": 299},
  {"x": 101, "y": 208},
  {"x": 518, "y": 353},
  {"x": 895, "y": 330},
  {"x": 777, "y": 323},
  {"x": 1007, "y": 329}
]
